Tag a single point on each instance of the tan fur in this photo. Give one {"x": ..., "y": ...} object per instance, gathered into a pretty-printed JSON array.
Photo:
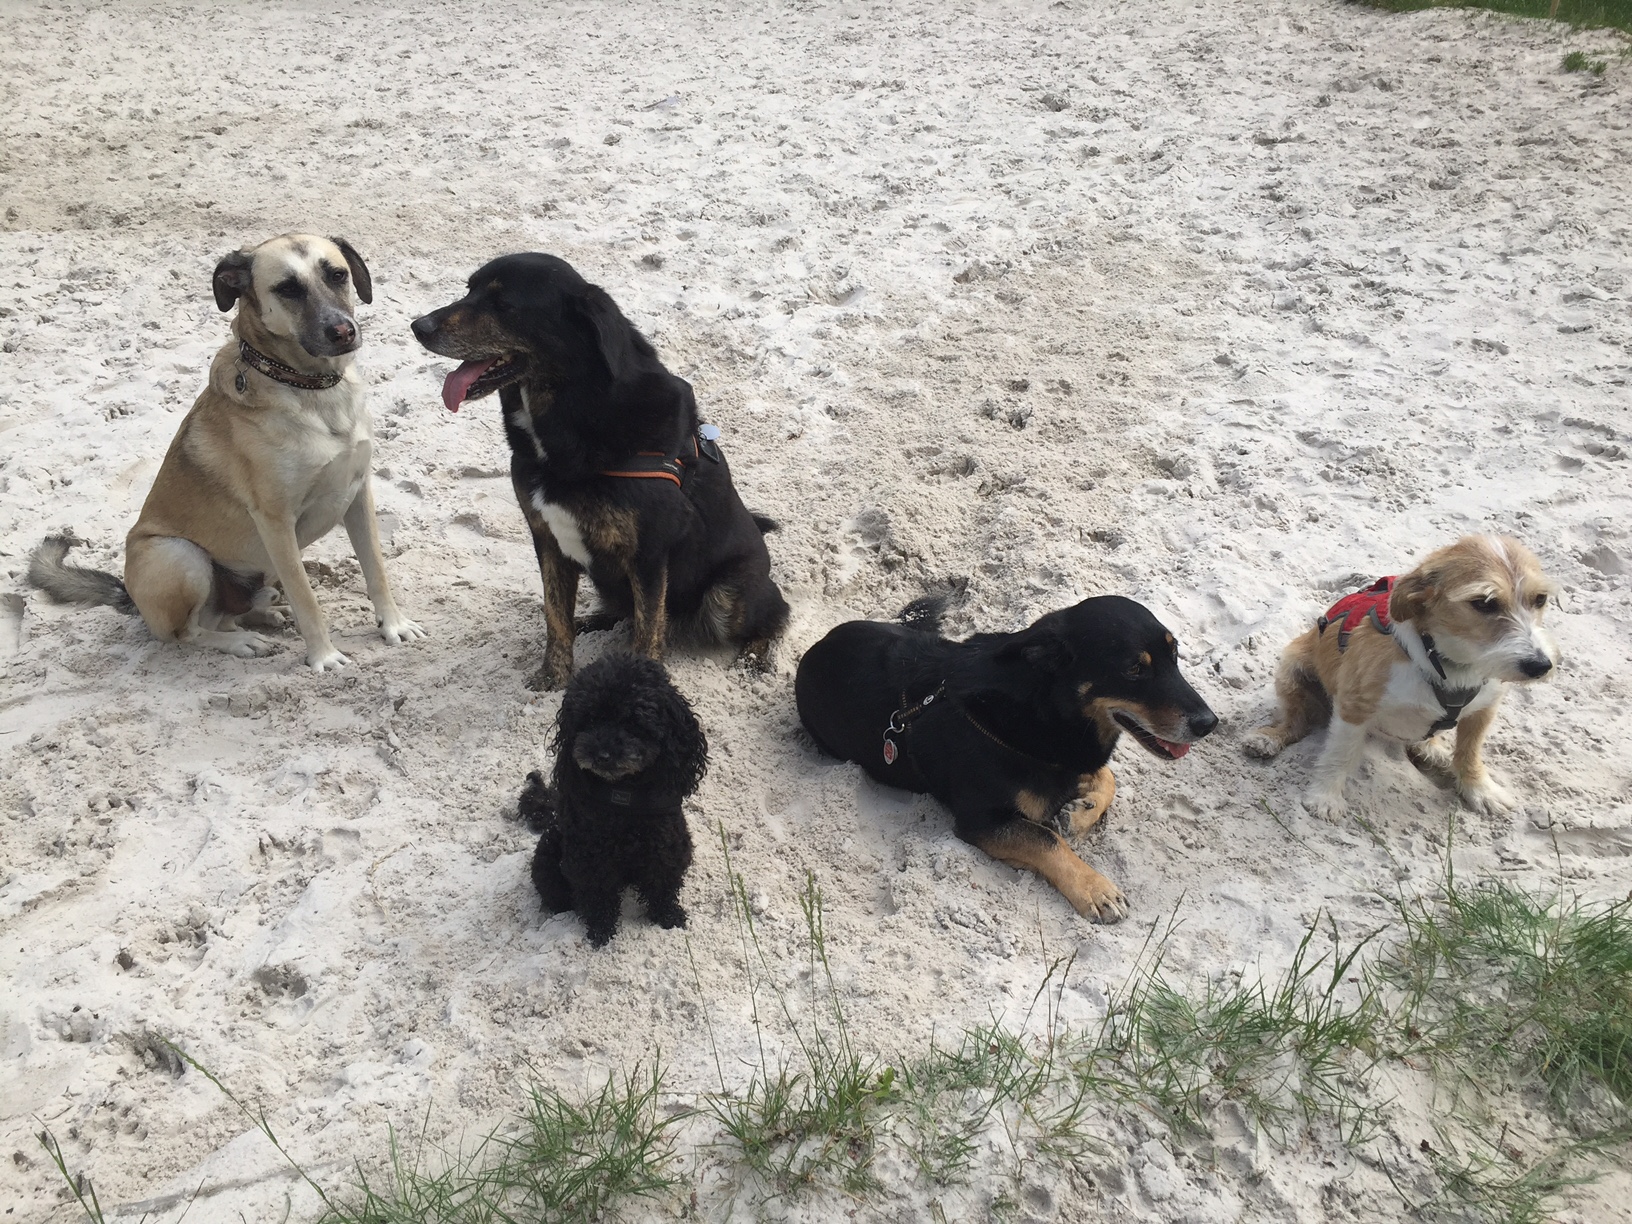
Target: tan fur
[
  {"x": 1481, "y": 601},
  {"x": 1091, "y": 894},
  {"x": 1033, "y": 806},
  {"x": 254, "y": 476},
  {"x": 1094, "y": 794}
]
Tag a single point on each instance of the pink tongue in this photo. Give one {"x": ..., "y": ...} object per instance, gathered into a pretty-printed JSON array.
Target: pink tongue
[
  {"x": 459, "y": 383},
  {"x": 1178, "y": 750}
]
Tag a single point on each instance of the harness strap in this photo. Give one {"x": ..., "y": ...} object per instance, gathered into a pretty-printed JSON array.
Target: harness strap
[
  {"x": 678, "y": 467},
  {"x": 1372, "y": 604}
]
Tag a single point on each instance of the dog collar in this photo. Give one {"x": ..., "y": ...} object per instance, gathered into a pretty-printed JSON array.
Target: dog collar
[
  {"x": 621, "y": 794},
  {"x": 902, "y": 719},
  {"x": 278, "y": 372}
]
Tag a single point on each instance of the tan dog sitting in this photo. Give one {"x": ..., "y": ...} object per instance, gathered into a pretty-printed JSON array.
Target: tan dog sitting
[
  {"x": 1409, "y": 658},
  {"x": 276, "y": 451}
]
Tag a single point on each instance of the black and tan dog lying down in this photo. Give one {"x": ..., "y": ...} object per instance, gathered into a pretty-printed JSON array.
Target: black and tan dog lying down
[{"x": 1009, "y": 730}]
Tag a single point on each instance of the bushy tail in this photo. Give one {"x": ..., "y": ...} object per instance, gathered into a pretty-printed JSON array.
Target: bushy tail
[
  {"x": 74, "y": 583},
  {"x": 537, "y": 805},
  {"x": 927, "y": 611},
  {"x": 765, "y": 524}
]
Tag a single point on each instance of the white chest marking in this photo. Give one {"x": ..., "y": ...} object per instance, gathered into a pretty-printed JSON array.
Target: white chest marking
[
  {"x": 522, "y": 419},
  {"x": 568, "y": 538}
]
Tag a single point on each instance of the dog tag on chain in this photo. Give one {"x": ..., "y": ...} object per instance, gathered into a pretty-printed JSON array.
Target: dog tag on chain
[
  {"x": 890, "y": 751},
  {"x": 239, "y": 382}
]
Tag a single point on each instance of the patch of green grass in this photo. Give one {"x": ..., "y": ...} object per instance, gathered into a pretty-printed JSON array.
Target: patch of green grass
[
  {"x": 1289, "y": 1051},
  {"x": 1593, "y": 14},
  {"x": 1577, "y": 61},
  {"x": 1497, "y": 980},
  {"x": 801, "y": 1121},
  {"x": 1496, "y": 989}
]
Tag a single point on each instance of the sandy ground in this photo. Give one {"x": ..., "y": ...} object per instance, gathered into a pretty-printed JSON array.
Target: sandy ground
[{"x": 1217, "y": 306}]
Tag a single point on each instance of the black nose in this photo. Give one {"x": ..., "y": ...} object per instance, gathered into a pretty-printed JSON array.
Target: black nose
[
  {"x": 424, "y": 328},
  {"x": 343, "y": 332},
  {"x": 1536, "y": 666},
  {"x": 1202, "y": 723}
]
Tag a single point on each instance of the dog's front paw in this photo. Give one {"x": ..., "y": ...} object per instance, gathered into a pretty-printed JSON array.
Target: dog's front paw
[
  {"x": 670, "y": 916},
  {"x": 600, "y": 935},
  {"x": 1326, "y": 804},
  {"x": 1098, "y": 899},
  {"x": 1487, "y": 797},
  {"x": 325, "y": 658},
  {"x": 1431, "y": 757},
  {"x": 1094, "y": 795},
  {"x": 1263, "y": 743}
]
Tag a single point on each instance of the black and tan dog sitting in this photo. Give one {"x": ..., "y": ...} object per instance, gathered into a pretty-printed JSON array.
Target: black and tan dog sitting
[
  {"x": 628, "y": 750},
  {"x": 608, "y": 464},
  {"x": 1006, "y": 729}
]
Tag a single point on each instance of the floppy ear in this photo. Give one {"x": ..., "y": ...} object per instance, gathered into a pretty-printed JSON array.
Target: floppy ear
[
  {"x": 611, "y": 330},
  {"x": 359, "y": 271},
  {"x": 1411, "y": 595},
  {"x": 1040, "y": 647},
  {"x": 232, "y": 278},
  {"x": 688, "y": 745}
]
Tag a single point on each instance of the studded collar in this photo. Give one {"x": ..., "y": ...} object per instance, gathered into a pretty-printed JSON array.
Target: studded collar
[{"x": 278, "y": 372}]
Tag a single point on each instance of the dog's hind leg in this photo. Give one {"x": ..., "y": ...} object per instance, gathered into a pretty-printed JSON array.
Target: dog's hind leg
[
  {"x": 1304, "y": 705},
  {"x": 1020, "y": 843},
  {"x": 172, "y": 583},
  {"x": 553, "y": 889},
  {"x": 663, "y": 872}
]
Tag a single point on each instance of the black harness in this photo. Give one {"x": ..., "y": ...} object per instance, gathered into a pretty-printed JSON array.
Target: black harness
[{"x": 676, "y": 465}]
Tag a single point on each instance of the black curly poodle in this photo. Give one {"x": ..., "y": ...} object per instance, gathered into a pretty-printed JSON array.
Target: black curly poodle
[{"x": 628, "y": 749}]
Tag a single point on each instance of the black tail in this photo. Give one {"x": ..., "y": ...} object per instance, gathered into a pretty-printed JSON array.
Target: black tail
[
  {"x": 765, "y": 525},
  {"x": 927, "y": 611},
  {"x": 74, "y": 583},
  {"x": 537, "y": 804}
]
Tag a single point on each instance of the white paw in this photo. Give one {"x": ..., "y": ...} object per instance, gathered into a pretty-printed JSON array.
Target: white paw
[
  {"x": 247, "y": 645},
  {"x": 1326, "y": 804},
  {"x": 399, "y": 629},
  {"x": 1262, "y": 744},
  {"x": 1487, "y": 797},
  {"x": 325, "y": 658}
]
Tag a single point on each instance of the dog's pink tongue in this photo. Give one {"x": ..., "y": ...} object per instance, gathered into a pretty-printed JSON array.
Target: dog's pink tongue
[
  {"x": 1178, "y": 750},
  {"x": 458, "y": 384}
]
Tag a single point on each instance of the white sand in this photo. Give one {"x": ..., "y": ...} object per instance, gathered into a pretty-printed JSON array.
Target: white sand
[{"x": 1287, "y": 293}]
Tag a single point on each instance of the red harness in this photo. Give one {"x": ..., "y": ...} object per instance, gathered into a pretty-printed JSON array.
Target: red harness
[{"x": 1348, "y": 612}]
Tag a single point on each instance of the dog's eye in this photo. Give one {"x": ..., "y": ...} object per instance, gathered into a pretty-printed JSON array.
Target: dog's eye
[
  {"x": 1137, "y": 671},
  {"x": 1539, "y": 602},
  {"x": 293, "y": 290},
  {"x": 1485, "y": 605},
  {"x": 337, "y": 276}
]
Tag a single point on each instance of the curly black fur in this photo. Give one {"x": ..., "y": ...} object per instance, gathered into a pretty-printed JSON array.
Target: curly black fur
[{"x": 628, "y": 750}]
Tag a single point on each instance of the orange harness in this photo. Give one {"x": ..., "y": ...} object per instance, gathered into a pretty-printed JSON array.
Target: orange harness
[{"x": 655, "y": 465}]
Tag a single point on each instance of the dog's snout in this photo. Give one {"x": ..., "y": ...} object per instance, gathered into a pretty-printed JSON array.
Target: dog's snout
[
  {"x": 341, "y": 331},
  {"x": 1536, "y": 666},
  {"x": 1202, "y": 722},
  {"x": 424, "y": 328}
]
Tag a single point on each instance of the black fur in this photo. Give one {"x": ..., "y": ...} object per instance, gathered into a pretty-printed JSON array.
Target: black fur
[
  {"x": 628, "y": 750},
  {"x": 582, "y": 393},
  {"x": 1049, "y": 693}
]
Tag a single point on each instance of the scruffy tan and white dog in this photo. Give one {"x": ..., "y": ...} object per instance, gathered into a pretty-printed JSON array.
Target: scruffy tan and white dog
[
  {"x": 275, "y": 453},
  {"x": 1409, "y": 658}
]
